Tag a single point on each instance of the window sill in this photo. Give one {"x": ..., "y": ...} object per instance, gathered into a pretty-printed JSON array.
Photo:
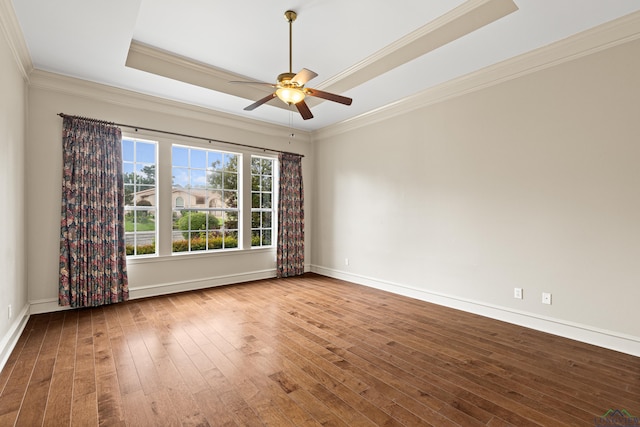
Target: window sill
[{"x": 178, "y": 256}]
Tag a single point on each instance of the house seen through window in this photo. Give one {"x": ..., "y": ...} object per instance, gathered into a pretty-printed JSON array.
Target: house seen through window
[{"x": 207, "y": 181}]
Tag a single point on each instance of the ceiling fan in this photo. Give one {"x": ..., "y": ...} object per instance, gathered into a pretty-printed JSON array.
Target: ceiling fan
[{"x": 290, "y": 87}]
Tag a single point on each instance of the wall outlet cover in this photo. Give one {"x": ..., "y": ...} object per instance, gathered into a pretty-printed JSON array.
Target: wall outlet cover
[{"x": 517, "y": 293}]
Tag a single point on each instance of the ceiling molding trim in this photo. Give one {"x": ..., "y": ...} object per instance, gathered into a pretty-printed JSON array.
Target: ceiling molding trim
[
  {"x": 139, "y": 50},
  {"x": 15, "y": 39},
  {"x": 167, "y": 64},
  {"x": 605, "y": 36},
  {"x": 464, "y": 19},
  {"x": 122, "y": 97}
]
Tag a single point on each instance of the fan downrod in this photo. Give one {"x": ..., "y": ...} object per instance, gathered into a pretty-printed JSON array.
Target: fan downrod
[{"x": 290, "y": 16}]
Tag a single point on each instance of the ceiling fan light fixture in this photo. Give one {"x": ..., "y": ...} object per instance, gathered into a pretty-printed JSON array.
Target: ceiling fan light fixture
[
  {"x": 290, "y": 86},
  {"x": 290, "y": 95}
]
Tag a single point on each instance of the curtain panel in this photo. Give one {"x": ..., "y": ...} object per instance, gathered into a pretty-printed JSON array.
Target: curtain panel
[
  {"x": 93, "y": 268},
  {"x": 290, "y": 249}
]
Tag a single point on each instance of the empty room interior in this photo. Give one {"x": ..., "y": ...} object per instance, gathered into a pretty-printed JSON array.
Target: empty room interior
[{"x": 320, "y": 213}]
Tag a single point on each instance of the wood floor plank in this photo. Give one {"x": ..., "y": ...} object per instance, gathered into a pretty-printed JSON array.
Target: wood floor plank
[
  {"x": 148, "y": 375},
  {"x": 186, "y": 407},
  {"x": 213, "y": 408},
  {"x": 12, "y": 359},
  {"x": 304, "y": 351},
  {"x": 58, "y": 411},
  {"x": 84, "y": 410},
  {"x": 17, "y": 384},
  {"x": 187, "y": 370},
  {"x": 122, "y": 363},
  {"x": 138, "y": 412},
  {"x": 155, "y": 409},
  {"x": 110, "y": 408},
  {"x": 35, "y": 401}
]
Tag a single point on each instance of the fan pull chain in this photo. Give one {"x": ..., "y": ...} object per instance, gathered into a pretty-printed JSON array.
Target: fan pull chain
[{"x": 291, "y": 135}]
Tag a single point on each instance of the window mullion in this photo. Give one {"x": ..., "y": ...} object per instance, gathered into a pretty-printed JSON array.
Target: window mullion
[
  {"x": 164, "y": 179},
  {"x": 245, "y": 206}
]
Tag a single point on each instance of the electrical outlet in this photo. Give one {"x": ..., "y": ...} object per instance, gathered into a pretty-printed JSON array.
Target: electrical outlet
[
  {"x": 9, "y": 312},
  {"x": 517, "y": 293},
  {"x": 346, "y": 261},
  {"x": 546, "y": 298}
]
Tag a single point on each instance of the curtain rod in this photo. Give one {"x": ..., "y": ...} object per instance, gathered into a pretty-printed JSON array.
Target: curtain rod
[{"x": 136, "y": 128}]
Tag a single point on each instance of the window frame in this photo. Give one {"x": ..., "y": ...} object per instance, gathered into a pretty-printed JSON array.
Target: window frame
[
  {"x": 272, "y": 210},
  {"x": 135, "y": 208},
  {"x": 165, "y": 202},
  {"x": 199, "y": 198}
]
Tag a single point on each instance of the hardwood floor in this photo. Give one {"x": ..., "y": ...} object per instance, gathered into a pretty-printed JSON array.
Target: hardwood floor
[{"x": 303, "y": 351}]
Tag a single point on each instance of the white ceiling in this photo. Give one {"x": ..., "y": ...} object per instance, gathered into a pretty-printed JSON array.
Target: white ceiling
[{"x": 377, "y": 52}]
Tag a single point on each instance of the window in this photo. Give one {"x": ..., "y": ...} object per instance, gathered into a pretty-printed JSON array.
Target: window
[
  {"x": 139, "y": 175},
  {"x": 207, "y": 182},
  {"x": 187, "y": 198},
  {"x": 261, "y": 201}
]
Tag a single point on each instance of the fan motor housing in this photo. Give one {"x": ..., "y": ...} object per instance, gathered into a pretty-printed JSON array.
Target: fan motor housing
[{"x": 285, "y": 79}]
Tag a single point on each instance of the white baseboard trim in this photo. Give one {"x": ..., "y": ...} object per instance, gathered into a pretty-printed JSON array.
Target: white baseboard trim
[
  {"x": 192, "y": 285},
  {"x": 136, "y": 292},
  {"x": 575, "y": 331},
  {"x": 10, "y": 340}
]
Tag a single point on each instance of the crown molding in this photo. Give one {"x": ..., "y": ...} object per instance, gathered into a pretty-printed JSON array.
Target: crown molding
[
  {"x": 121, "y": 97},
  {"x": 15, "y": 39},
  {"x": 605, "y": 36}
]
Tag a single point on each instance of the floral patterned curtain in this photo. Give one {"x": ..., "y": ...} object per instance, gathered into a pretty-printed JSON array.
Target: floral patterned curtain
[
  {"x": 290, "y": 252},
  {"x": 93, "y": 269}
]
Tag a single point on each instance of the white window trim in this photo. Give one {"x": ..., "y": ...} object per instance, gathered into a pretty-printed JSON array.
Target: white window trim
[
  {"x": 137, "y": 139},
  {"x": 274, "y": 201}
]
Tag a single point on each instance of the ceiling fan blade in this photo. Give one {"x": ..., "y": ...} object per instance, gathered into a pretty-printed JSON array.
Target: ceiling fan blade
[
  {"x": 304, "y": 110},
  {"x": 260, "y": 102},
  {"x": 328, "y": 96},
  {"x": 304, "y": 76}
]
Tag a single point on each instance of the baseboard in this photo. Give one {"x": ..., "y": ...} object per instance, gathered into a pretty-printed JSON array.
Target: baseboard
[
  {"x": 136, "y": 292},
  {"x": 10, "y": 340},
  {"x": 575, "y": 331},
  {"x": 192, "y": 285}
]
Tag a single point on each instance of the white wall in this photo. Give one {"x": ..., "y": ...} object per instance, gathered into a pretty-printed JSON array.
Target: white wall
[
  {"x": 51, "y": 94},
  {"x": 13, "y": 288},
  {"x": 532, "y": 183}
]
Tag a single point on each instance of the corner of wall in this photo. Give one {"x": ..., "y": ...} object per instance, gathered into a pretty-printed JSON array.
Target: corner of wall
[{"x": 13, "y": 34}]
